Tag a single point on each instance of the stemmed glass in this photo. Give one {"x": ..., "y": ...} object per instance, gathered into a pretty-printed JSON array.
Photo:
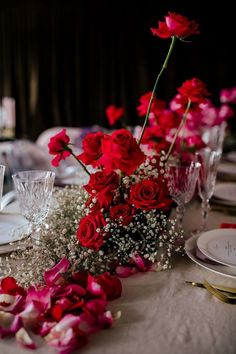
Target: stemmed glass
[
  {"x": 181, "y": 180},
  {"x": 2, "y": 172},
  {"x": 209, "y": 160},
  {"x": 34, "y": 191}
]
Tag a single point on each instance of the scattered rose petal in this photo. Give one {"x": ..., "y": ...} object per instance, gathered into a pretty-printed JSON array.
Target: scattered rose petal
[
  {"x": 23, "y": 338},
  {"x": 52, "y": 275}
]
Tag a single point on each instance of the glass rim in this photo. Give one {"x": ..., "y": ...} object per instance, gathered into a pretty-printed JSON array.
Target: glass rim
[{"x": 20, "y": 174}]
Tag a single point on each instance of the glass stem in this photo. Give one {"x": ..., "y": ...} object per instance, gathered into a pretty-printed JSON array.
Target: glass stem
[
  {"x": 205, "y": 211},
  {"x": 180, "y": 210}
]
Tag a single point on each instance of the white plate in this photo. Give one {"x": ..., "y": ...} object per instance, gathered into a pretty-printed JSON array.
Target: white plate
[
  {"x": 9, "y": 224},
  {"x": 18, "y": 234},
  {"x": 225, "y": 192},
  {"x": 219, "y": 245},
  {"x": 190, "y": 248},
  {"x": 231, "y": 156},
  {"x": 227, "y": 168}
]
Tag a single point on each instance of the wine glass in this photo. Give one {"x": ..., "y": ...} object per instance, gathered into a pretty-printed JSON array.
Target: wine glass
[
  {"x": 209, "y": 160},
  {"x": 34, "y": 191},
  {"x": 181, "y": 181},
  {"x": 2, "y": 172},
  {"x": 214, "y": 136}
]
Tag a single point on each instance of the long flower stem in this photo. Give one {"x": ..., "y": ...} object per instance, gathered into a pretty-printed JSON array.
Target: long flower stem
[
  {"x": 183, "y": 121},
  {"x": 81, "y": 163},
  {"x": 164, "y": 66}
]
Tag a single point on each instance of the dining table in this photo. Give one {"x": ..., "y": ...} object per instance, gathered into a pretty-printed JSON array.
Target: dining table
[{"x": 160, "y": 312}]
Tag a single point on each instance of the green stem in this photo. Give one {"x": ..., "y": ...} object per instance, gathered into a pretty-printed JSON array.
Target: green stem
[
  {"x": 164, "y": 66},
  {"x": 183, "y": 121},
  {"x": 80, "y": 162}
]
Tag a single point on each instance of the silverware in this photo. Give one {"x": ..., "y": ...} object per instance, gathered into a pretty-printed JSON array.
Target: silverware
[
  {"x": 230, "y": 299},
  {"x": 225, "y": 289}
]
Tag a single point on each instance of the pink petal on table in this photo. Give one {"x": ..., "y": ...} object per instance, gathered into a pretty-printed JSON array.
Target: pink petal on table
[
  {"x": 10, "y": 324},
  {"x": 23, "y": 338},
  {"x": 138, "y": 261},
  {"x": 52, "y": 275},
  {"x": 10, "y": 303},
  {"x": 125, "y": 272},
  {"x": 94, "y": 288},
  {"x": 30, "y": 313},
  {"x": 96, "y": 307},
  {"x": 46, "y": 328},
  {"x": 68, "y": 321},
  {"x": 41, "y": 296},
  {"x": 69, "y": 289},
  {"x": 106, "y": 320}
]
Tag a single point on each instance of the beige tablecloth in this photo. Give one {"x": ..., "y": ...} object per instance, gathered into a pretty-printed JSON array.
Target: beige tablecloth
[{"x": 161, "y": 314}]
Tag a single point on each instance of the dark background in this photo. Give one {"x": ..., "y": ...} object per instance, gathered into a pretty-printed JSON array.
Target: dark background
[{"x": 64, "y": 62}]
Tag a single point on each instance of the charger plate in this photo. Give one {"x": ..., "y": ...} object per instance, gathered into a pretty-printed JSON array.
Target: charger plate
[
  {"x": 219, "y": 245},
  {"x": 190, "y": 249}
]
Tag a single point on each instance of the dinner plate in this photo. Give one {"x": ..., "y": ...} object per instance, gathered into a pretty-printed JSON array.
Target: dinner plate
[
  {"x": 190, "y": 249},
  {"x": 18, "y": 235},
  {"x": 10, "y": 226},
  {"x": 219, "y": 245},
  {"x": 225, "y": 193}
]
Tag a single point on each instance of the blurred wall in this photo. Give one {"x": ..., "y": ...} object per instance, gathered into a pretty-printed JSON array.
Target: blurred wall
[{"x": 65, "y": 61}]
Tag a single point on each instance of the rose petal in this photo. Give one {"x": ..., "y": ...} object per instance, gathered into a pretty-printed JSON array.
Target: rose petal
[
  {"x": 30, "y": 313},
  {"x": 52, "y": 275},
  {"x": 125, "y": 272},
  {"x": 41, "y": 296},
  {"x": 10, "y": 324},
  {"x": 138, "y": 261},
  {"x": 94, "y": 288},
  {"x": 23, "y": 338},
  {"x": 11, "y": 303}
]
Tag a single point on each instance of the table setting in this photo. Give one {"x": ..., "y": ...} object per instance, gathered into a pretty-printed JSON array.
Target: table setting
[{"x": 127, "y": 254}]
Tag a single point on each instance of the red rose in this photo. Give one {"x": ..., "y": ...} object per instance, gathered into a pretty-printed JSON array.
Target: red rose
[
  {"x": 89, "y": 232},
  {"x": 168, "y": 120},
  {"x": 114, "y": 114},
  {"x": 194, "y": 90},
  {"x": 121, "y": 151},
  {"x": 150, "y": 194},
  {"x": 175, "y": 25},
  {"x": 100, "y": 180},
  {"x": 58, "y": 145},
  {"x": 155, "y": 139},
  {"x": 111, "y": 285},
  {"x": 92, "y": 148},
  {"x": 157, "y": 105},
  {"x": 103, "y": 184},
  {"x": 122, "y": 212}
]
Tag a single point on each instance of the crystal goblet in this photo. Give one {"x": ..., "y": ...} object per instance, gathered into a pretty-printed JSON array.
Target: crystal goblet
[
  {"x": 34, "y": 191},
  {"x": 2, "y": 172},
  {"x": 209, "y": 160},
  {"x": 181, "y": 180}
]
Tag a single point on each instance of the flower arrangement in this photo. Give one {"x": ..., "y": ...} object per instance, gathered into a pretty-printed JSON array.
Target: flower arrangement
[{"x": 124, "y": 222}]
